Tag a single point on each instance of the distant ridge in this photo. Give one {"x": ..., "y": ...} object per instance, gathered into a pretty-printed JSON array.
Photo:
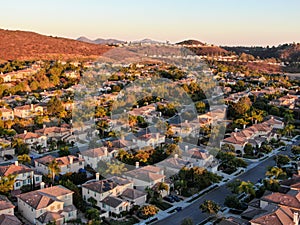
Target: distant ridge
[
  {"x": 24, "y": 45},
  {"x": 190, "y": 42},
  {"x": 100, "y": 41}
]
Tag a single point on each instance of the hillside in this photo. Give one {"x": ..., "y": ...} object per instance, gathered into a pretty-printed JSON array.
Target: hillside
[
  {"x": 286, "y": 52},
  {"x": 29, "y": 45},
  {"x": 190, "y": 42}
]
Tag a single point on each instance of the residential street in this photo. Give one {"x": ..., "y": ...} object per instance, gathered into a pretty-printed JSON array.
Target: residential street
[{"x": 218, "y": 195}]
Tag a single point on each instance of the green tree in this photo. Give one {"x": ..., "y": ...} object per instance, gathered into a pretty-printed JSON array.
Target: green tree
[
  {"x": 242, "y": 106},
  {"x": 288, "y": 116},
  {"x": 282, "y": 159},
  {"x": 148, "y": 211},
  {"x": 55, "y": 107},
  {"x": 228, "y": 148},
  {"x": 7, "y": 183},
  {"x": 276, "y": 172},
  {"x": 209, "y": 206},
  {"x": 24, "y": 159},
  {"x": 248, "y": 149},
  {"x": 115, "y": 168},
  {"x": 92, "y": 213},
  {"x": 246, "y": 187},
  {"x": 232, "y": 201}
]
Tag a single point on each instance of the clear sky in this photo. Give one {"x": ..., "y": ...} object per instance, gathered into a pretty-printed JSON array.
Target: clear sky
[{"x": 224, "y": 22}]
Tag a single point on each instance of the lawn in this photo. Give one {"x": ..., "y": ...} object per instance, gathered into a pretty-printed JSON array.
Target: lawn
[{"x": 162, "y": 205}]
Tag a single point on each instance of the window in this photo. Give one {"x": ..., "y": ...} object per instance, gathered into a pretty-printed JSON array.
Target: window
[
  {"x": 120, "y": 208},
  {"x": 37, "y": 178},
  {"x": 17, "y": 184}
]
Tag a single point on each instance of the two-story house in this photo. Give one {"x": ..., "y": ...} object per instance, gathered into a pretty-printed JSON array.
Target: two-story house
[
  {"x": 67, "y": 164},
  {"x": 52, "y": 204},
  {"x": 93, "y": 156},
  {"x": 28, "y": 111},
  {"x": 106, "y": 193},
  {"x": 32, "y": 139},
  {"x": 24, "y": 175}
]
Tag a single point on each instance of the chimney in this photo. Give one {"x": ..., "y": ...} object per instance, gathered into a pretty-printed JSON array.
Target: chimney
[
  {"x": 244, "y": 126},
  {"x": 255, "y": 121},
  {"x": 44, "y": 126},
  {"x": 137, "y": 165},
  {"x": 186, "y": 121},
  {"x": 272, "y": 117},
  {"x": 42, "y": 185},
  {"x": 157, "y": 136},
  {"x": 71, "y": 159},
  {"x": 296, "y": 218},
  {"x": 176, "y": 156},
  {"x": 31, "y": 107},
  {"x": 186, "y": 148},
  {"x": 105, "y": 151},
  {"x": 16, "y": 163},
  {"x": 235, "y": 130},
  {"x": 25, "y": 131},
  {"x": 97, "y": 176}
]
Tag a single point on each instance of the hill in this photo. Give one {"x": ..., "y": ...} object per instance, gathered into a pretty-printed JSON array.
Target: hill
[
  {"x": 29, "y": 45},
  {"x": 190, "y": 42},
  {"x": 285, "y": 52},
  {"x": 199, "y": 48},
  {"x": 100, "y": 41}
]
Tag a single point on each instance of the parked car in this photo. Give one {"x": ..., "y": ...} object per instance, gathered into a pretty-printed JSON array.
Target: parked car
[
  {"x": 176, "y": 198},
  {"x": 169, "y": 199},
  {"x": 178, "y": 208}
]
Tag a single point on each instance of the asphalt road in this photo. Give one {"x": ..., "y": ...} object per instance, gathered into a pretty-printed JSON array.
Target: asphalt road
[{"x": 218, "y": 195}]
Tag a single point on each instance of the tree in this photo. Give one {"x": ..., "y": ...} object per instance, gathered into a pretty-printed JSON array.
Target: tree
[
  {"x": 288, "y": 129},
  {"x": 232, "y": 201},
  {"x": 187, "y": 221},
  {"x": 200, "y": 106},
  {"x": 55, "y": 107},
  {"x": 282, "y": 159},
  {"x": 242, "y": 106},
  {"x": 272, "y": 185},
  {"x": 228, "y": 148},
  {"x": 64, "y": 151},
  {"x": 173, "y": 149},
  {"x": 54, "y": 169},
  {"x": 115, "y": 168},
  {"x": 92, "y": 201},
  {"x": 248, "y": 149},
  {"x": 296, "y": 150},
  {"x": 24, "y": 159},
  {"x": 20, "y": 147},
  {"x": 210, "y": 207},
  {"x": 148, "y": 210},
  {"x": 246, "y": 187},
  {"x": 92, "y": 213},
  {"x": 162, "y": 187},
  {"x": 288, "y": 117},
  {"x": 276, "y": 172},
  {"x": 7, "y": 183}
]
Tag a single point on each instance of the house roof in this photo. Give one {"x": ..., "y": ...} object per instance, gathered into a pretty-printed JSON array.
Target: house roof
[
  {"x": 144, "y": 175},
  {"x": 13, "y": 169},
  {"x": 173, "y": 162},
  {"x": 132, "y": 194},
  {"x": 9, "y": 219},
  {"x": 62, "y": 161},
  {"x": 5, "y": 203},
  {"x": 283, "y": 199},
  {"x": 49, "y": 217},
  {"x": 281, "y": 216},
  {"x": 27, "y": 135},
  {"x": 48, "y": 130},
  {"x": 95, "y": 152},
  {"x": 102, "y": 186},
  {"x": 44, "y": 197},
  {"x": 3, "y": 110},
  {"x": 112, "y": 201}
]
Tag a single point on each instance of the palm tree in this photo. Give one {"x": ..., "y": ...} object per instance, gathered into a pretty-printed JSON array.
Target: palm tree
[
  {"x": 162, "y": 187},
  {"x": 288, "y": 116},
  {"x": 24, "y": 159},
  {"x": 246, "y": 187},
  {"x": 288, "y": 129},
  {"x": 54, "y": 169},
  {"x": 210, "y": 207}
]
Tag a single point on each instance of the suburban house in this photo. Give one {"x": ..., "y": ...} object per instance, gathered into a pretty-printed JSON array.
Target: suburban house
[
  {"x": 32, "y": 139},
  {"x": 9, "y": 219},
  {"x": 24, "y": 175},
  {"x": 150, "y": 139},
  {"x": 54, "y": 133},
  {"x": 6, "y": 207},
  {"x": 145, "y": 177},
  {"x": 93, "y": 156},
  {"x": 6, "y": 114},
  {"x": 67, "y": 164},
  {"x": 6, "y": 77},
  {"x": 28, "y": 111},
  {"x": 47, "y": 204},
  {"x": 173, "y": 165},
  {"x": 254, "y": 135},
  {"x": 106, "y": 193}
]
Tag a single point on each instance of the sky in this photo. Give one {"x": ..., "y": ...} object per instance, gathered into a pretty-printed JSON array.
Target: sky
[{"x": 221, "y": 22}]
